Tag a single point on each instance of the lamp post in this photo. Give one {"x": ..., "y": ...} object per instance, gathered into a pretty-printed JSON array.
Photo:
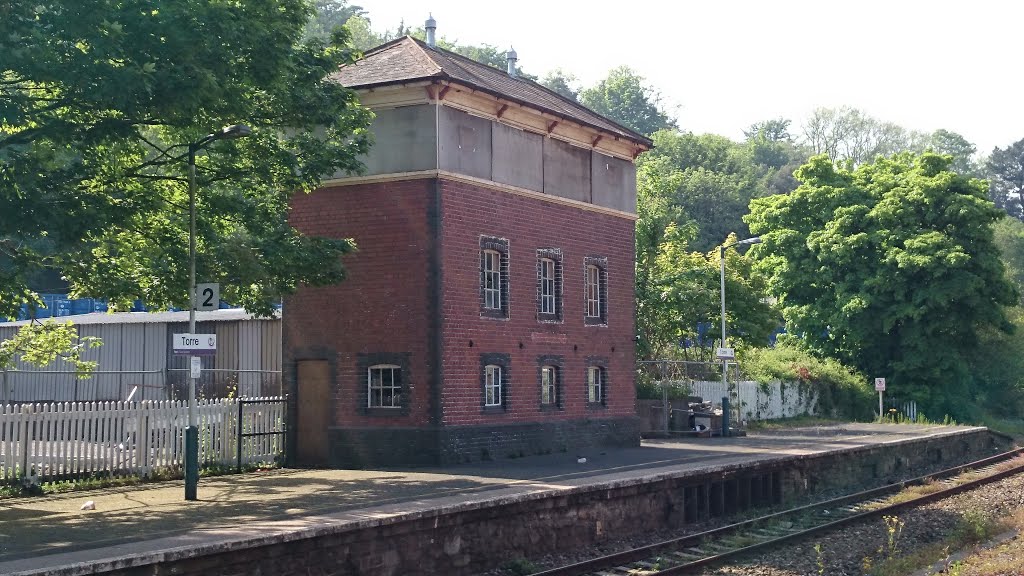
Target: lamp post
[
  {"x": 725, "y": 361},
  {"x": 192, "y": 431}
]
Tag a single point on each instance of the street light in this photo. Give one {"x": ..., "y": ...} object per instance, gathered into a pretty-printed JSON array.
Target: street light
[
  {"x": 725, "y": 361},
  {"x": 192, "y": 431}
]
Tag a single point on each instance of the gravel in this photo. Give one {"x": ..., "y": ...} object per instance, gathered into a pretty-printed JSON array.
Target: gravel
[{"x": 844, "y": 552}]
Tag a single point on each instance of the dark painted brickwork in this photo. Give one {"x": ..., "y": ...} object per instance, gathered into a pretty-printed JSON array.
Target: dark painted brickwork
[
  {"x": 479, "y": 443},
  {"x": 469, "y": 212},
  {"x": 383, "y": 305},
  {"x": 383, "y": 447}
]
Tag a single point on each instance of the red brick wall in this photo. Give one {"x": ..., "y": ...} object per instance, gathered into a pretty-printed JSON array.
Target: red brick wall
[
  {"x": 383, "y": 305},
  {"x": 470, "y": 211}
]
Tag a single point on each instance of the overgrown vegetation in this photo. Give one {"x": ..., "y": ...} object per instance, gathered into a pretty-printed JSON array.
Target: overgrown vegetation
[{"x": 841, "y": 391}]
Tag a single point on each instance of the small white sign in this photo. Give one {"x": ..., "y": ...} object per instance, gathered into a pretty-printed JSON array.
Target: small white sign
[
  {"x": 726, "y": 354},
  {"x": 880, "y": 384},
  {"x": 196, "y": 367},
  {"x": 201, "y": 344},
  {"x": 207, "y": 296}
]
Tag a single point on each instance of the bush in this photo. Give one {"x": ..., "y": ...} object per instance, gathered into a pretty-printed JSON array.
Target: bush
[{"x": 842, "y": 391}]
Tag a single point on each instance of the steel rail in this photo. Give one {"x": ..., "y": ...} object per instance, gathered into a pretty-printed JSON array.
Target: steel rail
[{"x": 690, "y": 541}]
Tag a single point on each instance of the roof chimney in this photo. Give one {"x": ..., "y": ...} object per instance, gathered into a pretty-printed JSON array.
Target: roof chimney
[
  {"x": 511, "y": 57},
  {"x": 431, "y": 28}
]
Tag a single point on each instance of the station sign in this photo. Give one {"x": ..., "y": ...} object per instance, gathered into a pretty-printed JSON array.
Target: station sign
[
  {"x": 195, "y": 344},
  {"x": 726, "y": 353},
  {"x": 207, "y": 296}
]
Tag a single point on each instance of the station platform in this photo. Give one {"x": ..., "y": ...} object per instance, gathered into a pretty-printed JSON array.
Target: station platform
[{"x": 150, "y": 524}]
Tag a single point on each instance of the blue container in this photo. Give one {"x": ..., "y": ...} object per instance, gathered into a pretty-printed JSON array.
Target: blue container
[
  {"x": 138, "y": 306},
  {"x": 81, "y": 306},
  {"x": 99, "y": 305},
  {"x": 63, "y": 307}
]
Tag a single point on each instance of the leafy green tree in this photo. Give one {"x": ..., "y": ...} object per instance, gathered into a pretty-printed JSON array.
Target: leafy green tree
[
  {"x": 98, "y": 101},
  {"x": 677, "y": 287},
  {"x": 329, "y": 14},
  {"x": 945, "y": 142},
  {"x": 362, "y": 35},
  {"x": 562, "y": 82},
  {"x": 1009, "y": 237},
  {"x": 42, "y": 343},
  {"x": 625, "y": 98},
  {"x": 716, "y": 182},
  {"x": 889, "y": 267},
  {"x": 1005, "y": 169}
]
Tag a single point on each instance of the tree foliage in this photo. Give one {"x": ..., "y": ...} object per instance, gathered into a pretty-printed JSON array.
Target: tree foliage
[
  {"x": 624, "y": 97},
  {"x": 99, "y": 101},
  {"x": 328, "y": 15},
  {"x": 678, "y": 287},
  {"x": 847, "y": 134},
  {"x": 889, "y": 267},
  {"x": 563, "y": 83},
  {"x": 42, "y": 343},
  {"x": 1006, "y": 178}
]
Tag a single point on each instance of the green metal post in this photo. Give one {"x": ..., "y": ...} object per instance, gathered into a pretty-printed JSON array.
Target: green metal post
[{"x": 725, "y": 416}]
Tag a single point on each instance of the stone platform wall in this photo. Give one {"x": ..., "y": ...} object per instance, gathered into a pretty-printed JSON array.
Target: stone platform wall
[{"x": 471, "y": 537}]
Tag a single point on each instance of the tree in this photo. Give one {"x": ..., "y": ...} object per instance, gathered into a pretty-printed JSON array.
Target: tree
[
  {"x": 328, "y": 15},
  {"x": 1009, "y": 238},
  {"x": 363, "y": 37},
  {"x": 562, "y": 82},
  {"x": 945, "y": 142},
  {"x": 42, "y": 343},
  {"x": 890, "y": 267},
  {"x": 98, "y": 103},
  {"x": 716, "y": 181},
  {"x": 677, "y": 287},
  {"x": 1006, "y": 178},
  {"x": 848, "y": 134},
  {"x": 625, "y": 98}
]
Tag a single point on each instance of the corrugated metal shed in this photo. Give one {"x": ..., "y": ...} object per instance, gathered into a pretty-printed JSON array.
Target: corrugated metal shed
[{"x": 136, "y": 355}]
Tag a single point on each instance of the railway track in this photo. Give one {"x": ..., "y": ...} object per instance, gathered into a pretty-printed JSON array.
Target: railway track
[{"x": 719, "y": 546}]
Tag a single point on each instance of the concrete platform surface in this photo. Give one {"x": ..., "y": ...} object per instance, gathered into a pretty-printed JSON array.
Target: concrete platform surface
[{"x": 52, "y": 535}]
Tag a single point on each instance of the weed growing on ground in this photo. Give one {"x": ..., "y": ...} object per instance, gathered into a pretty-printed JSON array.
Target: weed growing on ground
[
  {"x": 520, "y": 567},
  {"x": 820, "y": 558},
  {"x": 894, "y": 529}
]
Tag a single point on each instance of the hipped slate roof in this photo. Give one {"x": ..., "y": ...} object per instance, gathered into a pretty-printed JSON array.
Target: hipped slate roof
[{"x": 407, "y": 59}]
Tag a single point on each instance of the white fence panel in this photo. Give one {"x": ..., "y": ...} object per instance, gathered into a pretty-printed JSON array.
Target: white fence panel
[
  {"x": 776, "y": 400},
  {"x": 68, "y": 440}
]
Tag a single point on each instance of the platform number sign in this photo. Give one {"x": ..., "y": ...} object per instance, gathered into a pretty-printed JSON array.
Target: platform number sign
[{"x": 207, "y": 297}]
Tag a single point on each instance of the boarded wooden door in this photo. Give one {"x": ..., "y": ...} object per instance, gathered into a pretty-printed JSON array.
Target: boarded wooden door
[{"x": 314, "y": 413}]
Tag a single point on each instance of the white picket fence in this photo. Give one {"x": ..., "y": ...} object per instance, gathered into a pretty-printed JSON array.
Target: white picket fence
[
  {"x": 72, "y": 440},
  {"x": 757, "y": 402}
]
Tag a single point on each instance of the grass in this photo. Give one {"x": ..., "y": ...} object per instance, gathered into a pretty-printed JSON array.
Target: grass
[{"x": 972, "y": 529}]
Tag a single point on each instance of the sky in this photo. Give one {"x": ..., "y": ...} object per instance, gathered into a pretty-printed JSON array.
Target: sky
[{"x": 721, "y": 65}]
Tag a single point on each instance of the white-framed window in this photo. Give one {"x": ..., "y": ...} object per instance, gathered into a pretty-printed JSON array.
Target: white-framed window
[
  {"x": 595, "y": 384},
  {"x": 548, "y": 385},
  {"x": 492, "y": 279},
  {"x": 547, "y": 286},
  {"x": 593, "y": 291},
  {"x": 384, "y": 386},
  {"x": 492, "y": 385}
]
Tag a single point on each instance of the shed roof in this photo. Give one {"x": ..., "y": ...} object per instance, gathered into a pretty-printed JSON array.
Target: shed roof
[
  {"x": 224, "y": 315},
  {"x": 407, "y": 59}
]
